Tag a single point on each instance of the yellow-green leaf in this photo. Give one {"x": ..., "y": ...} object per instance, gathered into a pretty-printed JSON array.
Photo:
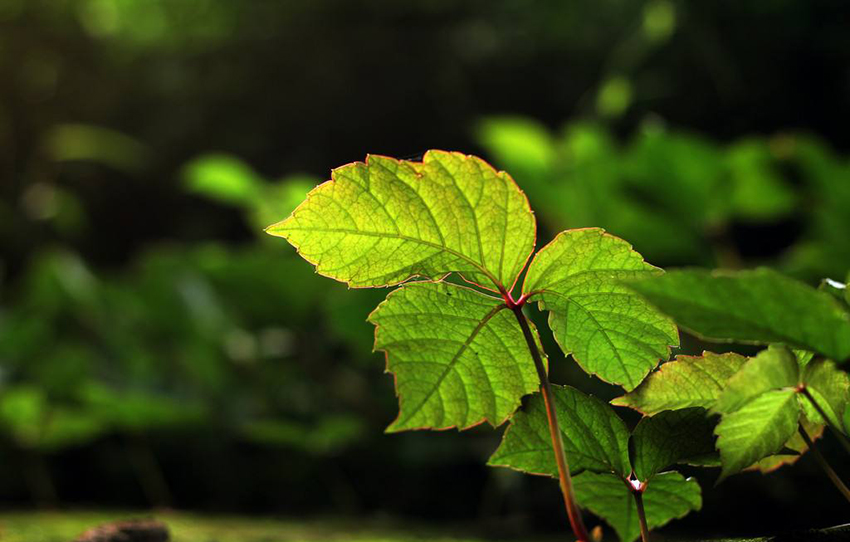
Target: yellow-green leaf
[
  {"x": 759, "y": 429},
  {"x": 381, "y": 222},
  {"x": 687, "y": 381},
  {"x": 459, "y": 358},
  {"x": 772, "y": 369},
  {"x": 610, "y": 331}
]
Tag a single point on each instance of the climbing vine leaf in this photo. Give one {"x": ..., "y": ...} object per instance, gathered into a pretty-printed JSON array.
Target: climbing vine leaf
[
  {"x": 771, "y": 369},
  {"x": 672, "y": 436},
  {"x": 669, "y": 496},
  {"x": 688, "y": 381},
  {"x": 610, "y": 331},
  {"x": 759, "y": 429},
  {"x": 595, "y": 438},
  {"x": 760, "y": 306},
  {"x": 380, "y": 222},
  {"x": 458, "y": 356}
]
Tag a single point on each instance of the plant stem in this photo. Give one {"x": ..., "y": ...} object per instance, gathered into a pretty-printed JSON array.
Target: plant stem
[
  {"x": 838, "y": 434},
  {"x": 833, "y": 476},
  {"x": 573, "y": 512},
  {"x": 644, "y": 530}
]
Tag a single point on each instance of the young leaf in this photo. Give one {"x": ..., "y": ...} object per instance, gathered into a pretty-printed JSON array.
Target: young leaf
[
  {"x": 595, "y": 438},
  {"x": 458, "y": 357},
  {"x": 760, "y": 306},
  {"x": 381, "y": 222},
  {"x": 673, "y": 436},
  {"x": 668, "y": 496},
  {"x": 757, "y": 430},
  {"x": 688, "y": 381},
  {"x": 610, "y": 331},
  {"x": 771, "y": 369},
  {"x": 830, "y": 388}
]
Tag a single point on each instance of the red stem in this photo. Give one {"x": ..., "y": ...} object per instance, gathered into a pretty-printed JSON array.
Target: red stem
[{"x": 573, "y": 512}]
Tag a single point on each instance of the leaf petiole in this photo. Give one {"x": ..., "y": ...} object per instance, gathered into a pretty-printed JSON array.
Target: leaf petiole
[
  {"x": 573, "y": 511},
  {"x": 637, "y": 491}
]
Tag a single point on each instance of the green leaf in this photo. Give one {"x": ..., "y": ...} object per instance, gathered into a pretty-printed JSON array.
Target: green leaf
[
  {"x": 609, "y": 331},
  {"x": 757, "y": 430},
  {"x": 668, "y": 496},
  {"x": 771, "y": 369},
  {"x": 523, "y": 146},
  {"x": 381, "y": 222},
  {"x": 760, "y": 306},
  {"x": 458, "y": 357},
  {"x": 224, "y": 178},
  {"x": 830, "y": 388},
  {"x": 688, "y": 381},
  {"x": 595, "y": 438},
  {"x": 672, "y": 436},
  {"x": 791, "y": 451}
]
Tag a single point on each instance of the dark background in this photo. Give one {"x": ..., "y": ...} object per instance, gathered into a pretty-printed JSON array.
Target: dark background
[{"x": 121, "y": 286}]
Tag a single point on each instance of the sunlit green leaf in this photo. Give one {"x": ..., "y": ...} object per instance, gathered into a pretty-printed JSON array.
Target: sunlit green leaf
[
  {"x": 669, "y": 437},
  {"x": 381, "y": 222},
  {"x": 687, "y": 381},
  {"x": 609, "y": 331},
  {"x": 760, "y": 306},
  {"x": 458, "y": 357},
  {"x": 595, "y": 438},
  {"x": 759, "y": 429},
  {"x": 771, "y": 369},
  {"x": 667, "y": 497}
]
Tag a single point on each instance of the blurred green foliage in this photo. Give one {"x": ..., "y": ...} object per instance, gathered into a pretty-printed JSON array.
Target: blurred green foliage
[{"x": 680, "y": 198}]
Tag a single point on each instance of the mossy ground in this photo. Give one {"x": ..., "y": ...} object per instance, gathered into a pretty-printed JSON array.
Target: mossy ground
[{"x": 65, "y": 526}]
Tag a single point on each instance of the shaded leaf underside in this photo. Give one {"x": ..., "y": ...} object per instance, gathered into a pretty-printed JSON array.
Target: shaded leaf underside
[
  {"x": 668, "y": 496},
  {"x": 673, "y": 436},
  {"x": 760, "y": 306},
  {"x": 595, "y": 438}
]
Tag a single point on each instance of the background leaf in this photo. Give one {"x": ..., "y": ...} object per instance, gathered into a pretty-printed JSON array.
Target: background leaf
[
  {"x": 760, "y": 306},
  {"x": 669, "y": 496},
  {"x": 609, "y": 331},
  {"x": 595, "y": 438},
  {"x": 381, "y": 222},
  {"x": 687, "y": 381},
  {"x": 757, "y": 430},
  {"x": 457, "y": 356},
  {"x": 673, "y": 436}
]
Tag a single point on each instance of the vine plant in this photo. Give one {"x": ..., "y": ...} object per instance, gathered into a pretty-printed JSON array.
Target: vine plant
[{"x": 463, "y": 352}]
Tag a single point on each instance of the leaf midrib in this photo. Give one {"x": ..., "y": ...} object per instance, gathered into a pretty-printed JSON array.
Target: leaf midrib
[{"x": 477, "y": 265}]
